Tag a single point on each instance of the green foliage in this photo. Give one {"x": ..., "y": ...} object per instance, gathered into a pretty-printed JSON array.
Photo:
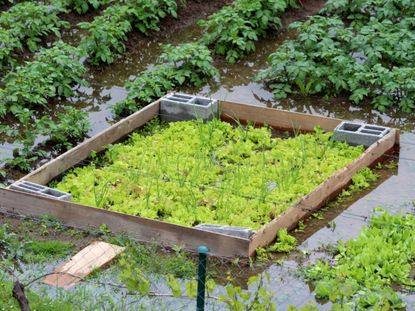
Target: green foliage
[
  {"x": 51, "y": 73},
  {"x": 285, "y": 242},
  {"x": 194, "y": 172},
  {"x": 71, "y": 126},
  {"x": 184, "y": 64},
  {"x": 108, "y": 32},
  {"x": 83, "y": 6},
  {"x": 152, "y": 259},
  {"x": 369, "y": 56},
  {"x": 41, "y": 251},
  {"x": 11, "y": 248},
  {"x": 36, "y": 302},
  {"x": 29, "y": 22},
  {"x": 366, "y": 268},
  {"x": 233, "y": 30},
  {"x": 258, "y": 298},
  {"x": 10, "y": 44}
]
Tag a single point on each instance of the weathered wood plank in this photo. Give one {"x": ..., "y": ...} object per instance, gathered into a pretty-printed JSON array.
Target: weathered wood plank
[
  {"x": 54, "y": 168},
  {"x": 94, "y": 256},
  {"x": 280, "y": 119},
  {"x": 140, "y": 229},
  {"x": 322, "y": 193}
]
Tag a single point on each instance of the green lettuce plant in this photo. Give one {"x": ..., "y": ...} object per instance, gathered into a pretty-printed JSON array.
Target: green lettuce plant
[{"x": 193, "y": 172}]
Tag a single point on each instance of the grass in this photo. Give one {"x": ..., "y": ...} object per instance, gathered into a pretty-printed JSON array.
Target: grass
[{"x": 42, "y": 251}]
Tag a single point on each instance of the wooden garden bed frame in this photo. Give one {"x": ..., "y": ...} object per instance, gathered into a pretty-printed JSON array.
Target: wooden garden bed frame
[{"x": 146, "y": 230}]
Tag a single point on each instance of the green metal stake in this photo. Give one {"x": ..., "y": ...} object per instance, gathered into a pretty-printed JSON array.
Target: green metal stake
[{"x": 201, "y": 278}]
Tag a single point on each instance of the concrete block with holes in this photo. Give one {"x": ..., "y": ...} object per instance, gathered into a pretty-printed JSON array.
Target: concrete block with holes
[
  {"x": 240, "y": 232},
  {"x": 26, "y": 186},
  {"x": 356, "y": 133},
  {"x": 181, "y": 107}
]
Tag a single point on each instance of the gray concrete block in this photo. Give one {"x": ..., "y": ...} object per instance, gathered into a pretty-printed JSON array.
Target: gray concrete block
[
  {"x": 30, "y": 187},
  {"x": 181, "y": 107},
  {"x": 356, "y": 133},
  {"x": 240, "y": 232}
]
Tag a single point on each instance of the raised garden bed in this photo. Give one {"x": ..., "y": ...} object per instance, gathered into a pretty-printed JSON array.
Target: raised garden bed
[{"x": 260, "y": 201}]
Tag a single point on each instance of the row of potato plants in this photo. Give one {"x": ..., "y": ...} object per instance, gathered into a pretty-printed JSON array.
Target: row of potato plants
[
  {"x": 23, "y": 26},
  {"x": 194, "y": 172},
  {"x": 52, "y": 72},
  {"x": 361, "y": 48},
  {"x": 231, "y": 31},
  {"x": 184, "y": 64},
  {"x": 55, "y": 71},
  {"x": 26, "y": 23},
  {"x": 108, "y": 32}
]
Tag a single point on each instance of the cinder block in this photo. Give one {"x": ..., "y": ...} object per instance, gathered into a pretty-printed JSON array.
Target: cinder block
[
  {"x": 30, "y": 187},
  {"x": 240, "y": 232},
  {"x": 181, "y": 107},
  {"x": 356, "y": 133}
]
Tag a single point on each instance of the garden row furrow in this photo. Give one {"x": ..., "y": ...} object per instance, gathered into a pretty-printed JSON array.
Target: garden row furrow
[{"x": 361, "y": 48}]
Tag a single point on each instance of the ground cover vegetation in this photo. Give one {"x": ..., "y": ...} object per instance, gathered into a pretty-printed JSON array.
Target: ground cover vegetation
[
  {"x": 24, "y": 25},
  {"x": 361, "y": 48},
  {"x": 140, "y": 271},
  {"x": 108, "y": 31},
  {"x": 367, "y": 271},
  {"x": 184, "y": 64},
  {"x": 233, "y": 30},
  {"x": 193, "y": 172}
]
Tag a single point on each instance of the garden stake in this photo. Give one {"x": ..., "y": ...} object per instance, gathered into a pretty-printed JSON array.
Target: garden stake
[{"x": 201, "y": 278}]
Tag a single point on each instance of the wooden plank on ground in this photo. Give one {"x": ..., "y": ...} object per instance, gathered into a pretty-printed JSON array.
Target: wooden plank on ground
[
  {"x": 322, "y": 193},
  {"x": 54, "y": 168},
  {"x": 94, "y": 256},
  {"x": 280, "y": 119},
  {"x": 138, "y": 228}
]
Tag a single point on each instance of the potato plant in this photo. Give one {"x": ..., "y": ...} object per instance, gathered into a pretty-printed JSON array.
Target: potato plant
[
  {"x": 61, "y": 133},
  {"x": 369, "y": 57},
  {"x": 83, "y": 6},
  {"x": 233, "y": 30},
  {"x": 193, "y": 172},
  {"x": 52, "y": 72},
  {"x": 184, "y": 64},
  {"x": 29, "y": 22},
  {"x": 108, "y": 32}
]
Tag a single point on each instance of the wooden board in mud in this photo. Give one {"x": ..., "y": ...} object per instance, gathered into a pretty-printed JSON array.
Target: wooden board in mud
[{"x": 148, "y": 230}]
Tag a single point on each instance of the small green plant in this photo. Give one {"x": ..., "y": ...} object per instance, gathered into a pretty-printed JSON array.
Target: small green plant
[
  {"x": 53, "y": 72},
  {"x": 358, "y": 48},
  {"x": 41, "y": 251},
  {"x": 108, "y": 32},
  {"x": 234, "y": 29},
  {"x": 70, "y": 127},
  {"x": 285, "y": 242},
  {"x": 184, "y": 64},
  {"x": 29, "y": 22},
  {"x": 367, "y": 267}
]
